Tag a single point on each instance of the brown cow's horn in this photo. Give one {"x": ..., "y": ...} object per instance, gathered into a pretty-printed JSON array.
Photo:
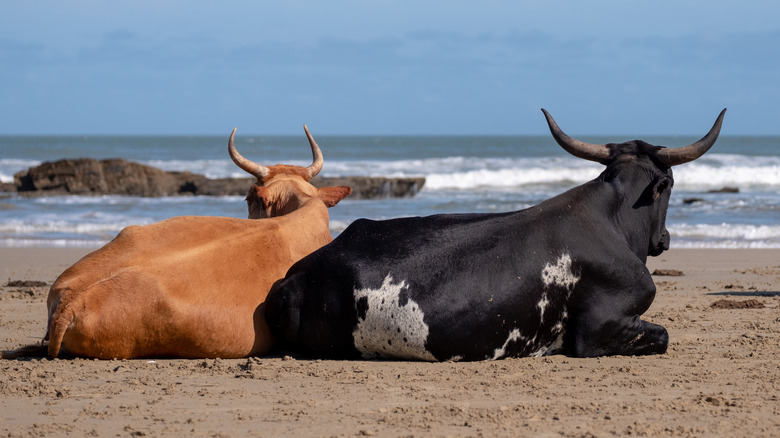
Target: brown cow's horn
[
  {"x": 316, "y": 165},
  {"x": 249, "y": 166},
  {"x": 674, "y": 156},
  {"x": 588, "y": 151}
]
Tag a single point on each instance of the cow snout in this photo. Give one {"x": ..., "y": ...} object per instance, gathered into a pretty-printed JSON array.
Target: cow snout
[{"x": 662, "y": 245}]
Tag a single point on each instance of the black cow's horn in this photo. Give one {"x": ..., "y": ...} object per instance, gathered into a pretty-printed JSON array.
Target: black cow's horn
[
  {"x": 249, "y": 166},
  {"x": 674, "y": 156},
  {"x": 316, "y": 165},
  {"x": 588, "y": 151}
]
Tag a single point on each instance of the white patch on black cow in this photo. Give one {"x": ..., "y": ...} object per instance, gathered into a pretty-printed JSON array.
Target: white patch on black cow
[
  {"x": 542, "y": 305},
  {"x": 557, "y": 275},
  {"x": 560, "y": 274},
  {"x": 555, "y": 346},
  {"x": 514, "y": 336},
  {"x": 390, "y": 329}
]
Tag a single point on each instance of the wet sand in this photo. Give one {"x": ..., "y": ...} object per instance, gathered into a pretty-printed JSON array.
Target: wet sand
[{"x": 720, "y": 376}]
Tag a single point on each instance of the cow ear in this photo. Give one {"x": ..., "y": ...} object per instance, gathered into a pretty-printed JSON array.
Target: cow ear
[
  {"x": 262, "y": 194},
  {"x": 332, "y": 195},
  {"x": 660, "y": 186}
]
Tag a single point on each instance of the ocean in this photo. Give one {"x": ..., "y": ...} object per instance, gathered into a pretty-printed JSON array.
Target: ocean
[{"x": 463, "y": 174}]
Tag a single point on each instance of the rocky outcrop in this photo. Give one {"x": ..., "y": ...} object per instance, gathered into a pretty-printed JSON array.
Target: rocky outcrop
[
  {"x": 364, "y": 187},
  {"x": 86, "y": 176}
]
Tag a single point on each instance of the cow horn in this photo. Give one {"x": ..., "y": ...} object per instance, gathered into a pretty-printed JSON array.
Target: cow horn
[
  {"x": 674, "y": 156},
  {"x": 249, "y": 166},
  {"x": 588, "y": 151},
  {"x": 316, "y": 165}
]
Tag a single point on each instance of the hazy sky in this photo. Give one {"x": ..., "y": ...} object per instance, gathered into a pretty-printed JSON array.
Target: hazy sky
[{"x": 455, "y": 67}]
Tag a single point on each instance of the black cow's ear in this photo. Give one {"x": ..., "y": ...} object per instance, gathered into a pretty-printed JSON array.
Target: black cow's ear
[{"x": 661, "y": 185}]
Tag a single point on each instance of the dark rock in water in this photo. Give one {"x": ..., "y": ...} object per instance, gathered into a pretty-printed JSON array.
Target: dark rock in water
[
  {"x": 86, "y": 176},
  {"x": 688, "y": 201},
  {"x": 364, "y": 187},
  {"x": 193, "y": 184},
  {"x": 725, "y": 190},
  {"x": 7, "y": 187}
]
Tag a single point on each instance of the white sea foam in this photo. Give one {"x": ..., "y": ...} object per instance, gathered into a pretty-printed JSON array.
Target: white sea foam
[
  {"x": 725, "y": 235},
  {"x": 509, "y": 178},
  {"x": 117, "y": 200},
  {"x": 469, "y": 173},
  {"x": 42, "y": 227},
  {"x": 725, "y": 244},
  {"x": 10, "y": 166},
  {"x": 726, "y": 231},
  {"x": 51, "y": 243},
  {"x": 463, "y": 182},
  {"x": 463, "y": 172},
  {"x": 223, "y": 168},
  {"x": 757, "y": 175},
  {"x": 337, "y": 226}
]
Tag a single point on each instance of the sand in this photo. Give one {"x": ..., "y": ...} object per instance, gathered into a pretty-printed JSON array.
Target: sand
[{"x": 720, "y": 376}]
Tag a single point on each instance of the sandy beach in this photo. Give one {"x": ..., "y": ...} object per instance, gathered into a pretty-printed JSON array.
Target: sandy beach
[{"x": 720, "y": 376}]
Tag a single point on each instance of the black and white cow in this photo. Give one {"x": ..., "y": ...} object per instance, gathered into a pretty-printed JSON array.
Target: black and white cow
[{"x": 567, "y": 275}]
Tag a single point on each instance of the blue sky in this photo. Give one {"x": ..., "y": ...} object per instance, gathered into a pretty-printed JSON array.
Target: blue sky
[{"x": 389, "y": 66}]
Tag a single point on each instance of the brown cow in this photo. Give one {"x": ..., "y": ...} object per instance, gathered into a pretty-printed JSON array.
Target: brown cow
[{"x": 192, "y": 286}]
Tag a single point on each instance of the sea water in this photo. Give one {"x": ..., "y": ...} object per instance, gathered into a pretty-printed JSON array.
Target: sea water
[{"x": 463, "y": 174}]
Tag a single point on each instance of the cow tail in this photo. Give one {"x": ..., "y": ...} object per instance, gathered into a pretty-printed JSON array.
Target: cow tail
[
  {"x": 58, "y": 325},
  {"x": 41, "y": 349}
]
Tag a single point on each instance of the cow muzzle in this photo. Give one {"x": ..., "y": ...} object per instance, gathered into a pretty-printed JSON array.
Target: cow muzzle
[{"x": 662, "y": 244}]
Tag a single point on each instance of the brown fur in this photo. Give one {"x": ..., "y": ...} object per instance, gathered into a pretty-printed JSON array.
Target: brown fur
[{"x": 191, "y": 286}]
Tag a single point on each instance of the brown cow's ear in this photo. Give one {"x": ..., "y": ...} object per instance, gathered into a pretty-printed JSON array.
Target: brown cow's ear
[
  {"x": 332, "y": 195},
  {"x": 262, "y": 195}
]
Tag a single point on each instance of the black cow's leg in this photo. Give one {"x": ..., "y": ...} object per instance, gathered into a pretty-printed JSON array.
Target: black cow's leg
[
  {"x": 607, "y": 322},
  {"x": 627, "y": 336},
  {"x": 649, "y": 339}
]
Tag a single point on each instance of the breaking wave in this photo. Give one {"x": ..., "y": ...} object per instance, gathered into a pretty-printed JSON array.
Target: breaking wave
[{"x": 725, "y": 236}]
